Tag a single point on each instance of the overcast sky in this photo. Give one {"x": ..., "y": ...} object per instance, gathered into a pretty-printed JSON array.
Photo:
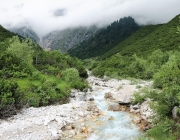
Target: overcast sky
[{"x": 45, "y": 16}]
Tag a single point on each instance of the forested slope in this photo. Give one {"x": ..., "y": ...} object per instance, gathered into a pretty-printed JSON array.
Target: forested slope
[
  {"x": 134, "y": 38},
  {"x": 164, "y": 38},
  {"x": 105, "y": 39},
  {"x": 33, "y": 77},
  {"x": 5, "y": 34}
]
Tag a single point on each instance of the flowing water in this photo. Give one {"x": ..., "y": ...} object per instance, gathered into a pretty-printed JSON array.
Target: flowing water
[{"x": 112, "y": 125}]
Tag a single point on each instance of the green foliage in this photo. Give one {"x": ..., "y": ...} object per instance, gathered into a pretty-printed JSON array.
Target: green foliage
[
  {"x": 141, "y": 95},
  {"x": 163, "y": 131},
  {"x": 45, "y": 94},
  {"x": 9, "y": 97},
  {"x": 4, "y": 34},
  {"x": 105, "y": 39},
  {"x": 169, "y": 73},
  {"x": 53, "y": 62},
  {"x": 162, "y": 37},
  {"x": 134, "y": 38},
  {"x": 70, "y": 75},
  {"x": 137, "y": 67},
  {"x": 43, "y": 77},
  {"x": 21, "y": 49},
  {"x": 79, "y": 84},
  {"x": 12, "y": 63},
  {"x": 32, "y": 99}
]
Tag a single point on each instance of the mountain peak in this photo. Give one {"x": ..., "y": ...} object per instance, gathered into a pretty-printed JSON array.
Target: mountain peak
[{"x": 26, "y": 32}]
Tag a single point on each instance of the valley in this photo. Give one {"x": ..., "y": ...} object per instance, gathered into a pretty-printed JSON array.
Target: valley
[
  {"x": 87, "y": 115},
  {"x": 119, "y": 81}
]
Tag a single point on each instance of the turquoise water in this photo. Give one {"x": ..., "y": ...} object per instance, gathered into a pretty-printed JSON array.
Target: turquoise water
[{"x": 119, "y": 128}]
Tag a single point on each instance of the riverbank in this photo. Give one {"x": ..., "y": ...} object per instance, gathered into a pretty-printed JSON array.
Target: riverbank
[
  {"x": 113, "y": 121},
  {"x": 67, "y": 121}
]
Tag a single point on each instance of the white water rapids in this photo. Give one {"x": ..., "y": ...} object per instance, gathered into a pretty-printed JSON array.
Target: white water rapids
[{"x": 119, "y": 128}]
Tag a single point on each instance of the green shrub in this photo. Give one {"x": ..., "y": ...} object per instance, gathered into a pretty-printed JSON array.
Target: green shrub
[
  {"x": 35, "y": 76},
  {"x": 163, "y": 131},
  {"x": 137, "y": 68},
  {"x": 46, "y": 94},
  {"x": 70, "y": 75},
  {"x": 99, "y": 71},
  {"x": 32, "y": 99},
  {"x": 82, "y": 71},
  {"x": 9, "y": 97},
  {"x": 79, "y": 85},
  {"x": 168, "y": 75},
  {"x": 140, "y": 96}
]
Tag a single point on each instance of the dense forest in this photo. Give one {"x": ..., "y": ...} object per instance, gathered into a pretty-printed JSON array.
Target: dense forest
[
  {"x": 30, "y": 76},
  {"x": 152, "y": 53},
  {"x": 105, "y": 39}
]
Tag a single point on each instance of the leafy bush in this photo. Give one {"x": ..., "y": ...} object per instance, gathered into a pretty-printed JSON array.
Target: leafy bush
[
  {"x": 32, "y": 99},
  {"x": 82, "y": 71},
  {"x": 79, "y": 84},
  {"x": 70, "y": 75},
  {"x": 137, "y": 67},
  {"x": 168, "y": 75},
  {"x": 9, "y": 97},
  {"x": 141, "y": 95},
  {"x": 45, "y": 94},
  {"x": 99, "y": 71},
  {"x": 163, "y": 131}
]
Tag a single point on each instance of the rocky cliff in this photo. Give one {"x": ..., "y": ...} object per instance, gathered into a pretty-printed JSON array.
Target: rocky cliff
[
  {"x": 26, "y": 32},
  {"x": 66, "y": 39}
]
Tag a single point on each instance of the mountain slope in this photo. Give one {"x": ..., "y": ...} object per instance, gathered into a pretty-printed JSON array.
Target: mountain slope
[
  {"x": 34, "y": 77},
  {"x": 164, "y": 38},
  {"x": 105, "y": 39},
  {"x": 135, "y": 37},
  {"x": 5, "y": 34},
  {"x": 26, "y": 32},
  {"x": 66, "y": 39}
]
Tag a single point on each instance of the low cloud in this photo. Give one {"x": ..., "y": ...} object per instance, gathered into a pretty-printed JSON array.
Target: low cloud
[
  {"x": 59, "y": 12},
  {"x": 45, "y": 16}
]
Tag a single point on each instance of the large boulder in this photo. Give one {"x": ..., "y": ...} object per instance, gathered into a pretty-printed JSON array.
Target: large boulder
[
  {"x": 114, "y": 107},
  {"x": 145, "y": 111},
  {"x": 175, "y": 112},
  {"x": 124, "y": 94},
  {"x": 135, "y": 108},
  {"x": 107, "y": 95}
]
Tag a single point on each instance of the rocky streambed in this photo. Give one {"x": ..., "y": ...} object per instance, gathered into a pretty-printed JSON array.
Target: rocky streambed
[{"x": 94, "y": 115}]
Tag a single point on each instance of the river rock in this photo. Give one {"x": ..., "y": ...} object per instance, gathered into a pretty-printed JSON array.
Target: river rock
[
  {"x": 114, "y": 107},
  {"x": 91, "y": 99},
  {"x": 80, "y": 98},
  {"x": 68, "y": 127},
  {"x": 107, "y": 95},
  {"x": 145, "y": 111},
  {"x": 111, "y": 118},
  {"x": 72, "y": 95},
  {"x": 72, "y": 132},
  {"x": 135, "y": 108},
  {"x": 175, "y": 112},
  {"x": 81, "y": 114},
  {"x": 136, "y": 120},
  {"x": 124, "y": 103},
  {"x": 91, "y": 108}
]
